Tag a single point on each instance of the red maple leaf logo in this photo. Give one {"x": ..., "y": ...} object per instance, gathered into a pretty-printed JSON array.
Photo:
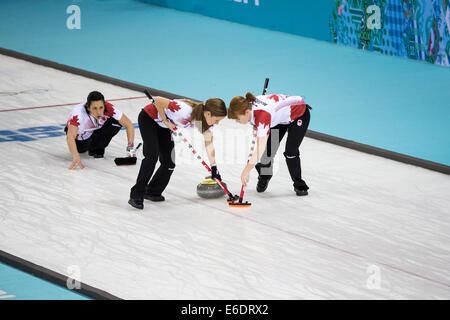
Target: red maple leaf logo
[
  {"x": 262, "y": 117},
  {"x": 109, "y": 109},
  {"x": 74, "y": 121},
  {"x": 174, "y": 106},
  {"x": 274, "y": 97},
  {"x": 297, "y": 111}
]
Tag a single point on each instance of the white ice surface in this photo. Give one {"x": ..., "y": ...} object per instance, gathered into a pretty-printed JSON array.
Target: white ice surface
[{"x": 363, "y": 213}]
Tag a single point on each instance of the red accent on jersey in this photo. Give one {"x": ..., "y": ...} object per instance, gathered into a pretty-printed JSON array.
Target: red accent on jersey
[
  {"x": 274, "y": 97},
  {"x": 174, "y": 106},
  {"x": 297, "y": 111},
  {"x": 109, "y": 109},
  {"x": 262, "y": 117},
  {"x": 151, "y": 111},
  {"x": 74, "y": 121}
]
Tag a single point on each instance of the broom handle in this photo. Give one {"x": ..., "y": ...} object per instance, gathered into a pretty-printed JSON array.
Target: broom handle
[
  {"x": 252, "y": 149},
  {"x": 266, "y": 83},
  {"x": 253, "y": 144}
]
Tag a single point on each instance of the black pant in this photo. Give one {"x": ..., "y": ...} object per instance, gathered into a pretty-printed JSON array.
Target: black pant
[
  {"x": 100, "y": 138},
  {"x": 158, "y": 143},
  {"x": 295, "y": 137}
]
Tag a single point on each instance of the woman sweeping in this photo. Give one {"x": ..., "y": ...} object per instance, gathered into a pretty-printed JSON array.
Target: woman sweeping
[
  {"x": 273, "y": 116},
  {"x": 156, "y": 122}
]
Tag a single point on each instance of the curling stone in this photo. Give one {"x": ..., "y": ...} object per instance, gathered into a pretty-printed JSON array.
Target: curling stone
[{"x": 210, "y": 189}]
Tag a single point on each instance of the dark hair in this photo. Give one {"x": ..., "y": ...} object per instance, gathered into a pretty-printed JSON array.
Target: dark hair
[
  {"x": 215, "y": 105},
  {"x": 94, "y": 96},
  {"x": 239, "y": 105}
]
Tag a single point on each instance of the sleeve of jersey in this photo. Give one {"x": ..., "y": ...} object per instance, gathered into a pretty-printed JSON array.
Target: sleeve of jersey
[
  {"x": 112, "y": 111},
  {"x": 262, "y": 122},
  {"x": 293, "y": 100},
  {"x": 117, "y": 114},
  {"x": 73, "y": 120}
]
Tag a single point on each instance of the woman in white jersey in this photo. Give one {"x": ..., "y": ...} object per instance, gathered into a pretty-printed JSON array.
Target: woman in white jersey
[
  {"x": 92, "y": 125},
  {"x": 272, "y": 116},
  {"x": 156, "y": 122}
]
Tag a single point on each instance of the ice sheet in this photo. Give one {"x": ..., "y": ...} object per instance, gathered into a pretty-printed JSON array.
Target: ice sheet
[{"x": 371, "y": 228}]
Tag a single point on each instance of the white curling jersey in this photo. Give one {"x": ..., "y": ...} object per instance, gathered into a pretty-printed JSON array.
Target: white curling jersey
[
  {"x": 86, "y": 123},
  {"x": 269, "y": 111},
  {"x": 178, "y": 112}
]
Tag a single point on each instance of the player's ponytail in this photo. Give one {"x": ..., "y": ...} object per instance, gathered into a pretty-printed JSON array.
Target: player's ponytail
[
  {"x": 239, "y": 105},
  {"x": 197, "y": 110},
  {"x": 215, "y": 105},
  {"x": 250, "y": 97}
]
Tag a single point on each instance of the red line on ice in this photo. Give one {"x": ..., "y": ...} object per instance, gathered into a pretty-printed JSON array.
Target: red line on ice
[{"x": 66, "y": 104}]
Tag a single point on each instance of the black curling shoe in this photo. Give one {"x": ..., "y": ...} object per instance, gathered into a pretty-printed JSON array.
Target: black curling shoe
[
  {"x": 138, "y": 204},
  {"x": 263, "y": 183},
  {"x": 301, "y": 192},
  {"x": 154, "y": 198}
]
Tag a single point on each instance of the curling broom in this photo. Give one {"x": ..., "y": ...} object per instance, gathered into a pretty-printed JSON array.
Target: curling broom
[
  {"x": 127, "y": 161},
  {"x": 240, "y": 203}
]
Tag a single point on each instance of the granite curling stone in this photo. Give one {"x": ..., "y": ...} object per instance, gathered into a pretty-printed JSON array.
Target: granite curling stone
[{"x": 210, "y": 189}]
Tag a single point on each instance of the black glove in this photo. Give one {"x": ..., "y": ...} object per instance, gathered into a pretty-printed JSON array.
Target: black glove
[{"x": 215, "y": 173}]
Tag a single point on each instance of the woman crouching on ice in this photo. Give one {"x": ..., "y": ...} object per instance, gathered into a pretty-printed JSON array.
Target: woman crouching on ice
[
  {"x": 273, "y": 116},
  {"x": 156, "y": 121}
]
